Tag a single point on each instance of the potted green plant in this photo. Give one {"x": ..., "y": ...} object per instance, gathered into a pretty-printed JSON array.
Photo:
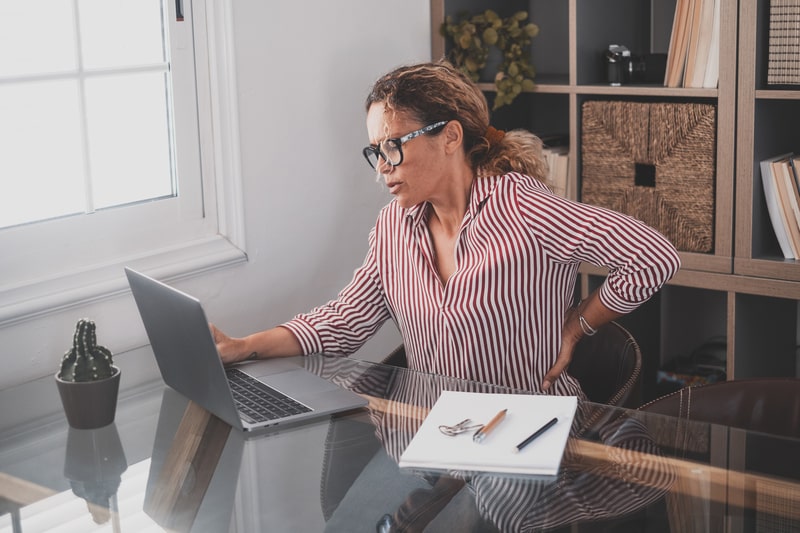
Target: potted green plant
[
  {"x": 472, "y": 39},
  {"x": 88, "y": 381}
]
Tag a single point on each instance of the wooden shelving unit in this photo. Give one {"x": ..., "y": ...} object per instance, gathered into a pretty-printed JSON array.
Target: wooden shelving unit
[{"x": 742, "y": 290}]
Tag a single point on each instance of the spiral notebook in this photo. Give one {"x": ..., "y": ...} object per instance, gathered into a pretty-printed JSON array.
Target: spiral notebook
[{"x": 431, "y": 449}]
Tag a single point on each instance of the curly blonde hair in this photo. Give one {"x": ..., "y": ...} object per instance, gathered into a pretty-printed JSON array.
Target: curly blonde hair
[{"x": 433, "y": 92}]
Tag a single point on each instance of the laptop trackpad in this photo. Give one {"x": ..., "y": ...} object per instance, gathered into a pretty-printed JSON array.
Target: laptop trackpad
[
  {"x": 266, "y": 367},
  {"x": 298, "y": 382}
]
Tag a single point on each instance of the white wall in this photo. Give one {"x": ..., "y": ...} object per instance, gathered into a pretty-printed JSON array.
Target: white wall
[{"x": 304, "y": 69}]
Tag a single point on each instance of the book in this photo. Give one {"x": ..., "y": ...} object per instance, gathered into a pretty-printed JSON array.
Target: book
[
  {"x": 784, "y": 203},
  {"x": 557, "y": 158},
  {"x": 431, "y": 449},
  {"x": 786, "y": 185},
  {"x": 679, "y": 39},
  {"x": 711, "y": 76},
  {"x": 699, "y": 43},
  {"x": 704, "y": 42},
  {"x": 794, "y": 162},
  {"x": 774, "y": 209}
]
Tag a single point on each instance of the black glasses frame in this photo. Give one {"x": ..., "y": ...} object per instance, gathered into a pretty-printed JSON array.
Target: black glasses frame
[{"x": 375, "y": 150}]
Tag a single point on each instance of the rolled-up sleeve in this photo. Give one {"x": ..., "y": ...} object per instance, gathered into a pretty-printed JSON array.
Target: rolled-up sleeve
[{"x": 640, "y": 260}]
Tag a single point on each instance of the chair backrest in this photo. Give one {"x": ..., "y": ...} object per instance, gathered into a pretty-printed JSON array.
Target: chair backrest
[
  {"x": 767, "y": 405},
  {"x": 608, "y": 365}
]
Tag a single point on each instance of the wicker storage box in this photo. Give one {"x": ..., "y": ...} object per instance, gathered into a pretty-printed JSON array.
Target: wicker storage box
[{"x": 655, "y": 162}]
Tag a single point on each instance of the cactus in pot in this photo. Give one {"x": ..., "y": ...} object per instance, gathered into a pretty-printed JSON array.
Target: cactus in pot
[
  {"x": 86, "y": 360},
  {"x": 88, "y": 381}
]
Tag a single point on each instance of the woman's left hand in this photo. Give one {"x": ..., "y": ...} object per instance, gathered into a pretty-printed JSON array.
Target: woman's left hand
[
  {"x": 571, "y": 333},
  {"x": 595, "y": 314}
]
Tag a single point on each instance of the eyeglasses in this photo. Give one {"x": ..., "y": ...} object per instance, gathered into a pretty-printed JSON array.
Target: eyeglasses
[{"x": 391, "y": 149}]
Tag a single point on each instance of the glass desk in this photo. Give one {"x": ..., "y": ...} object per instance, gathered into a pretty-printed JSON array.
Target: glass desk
[{"x": 166, "y": 464}]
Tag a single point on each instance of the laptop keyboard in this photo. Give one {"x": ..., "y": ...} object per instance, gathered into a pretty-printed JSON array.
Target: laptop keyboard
[{"x": 258, "y": 402}]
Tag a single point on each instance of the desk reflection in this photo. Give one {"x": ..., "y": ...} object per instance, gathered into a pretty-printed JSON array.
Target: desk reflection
[
  {"x": 194, "y": 468},
  {"x": 94, "y": 463},
  {"x": 617, "y": 483},
  {"x": 622, "y": 471}
]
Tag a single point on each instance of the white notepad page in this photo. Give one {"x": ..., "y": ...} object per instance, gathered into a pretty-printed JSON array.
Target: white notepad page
[{"x": 432, "y": 449}]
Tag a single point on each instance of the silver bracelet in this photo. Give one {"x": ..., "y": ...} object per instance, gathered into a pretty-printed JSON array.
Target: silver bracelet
[{"x": 585, "y": 327}]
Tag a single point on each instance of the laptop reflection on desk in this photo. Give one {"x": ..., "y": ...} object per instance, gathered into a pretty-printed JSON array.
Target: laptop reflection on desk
[{"x": 192, "y": 481}]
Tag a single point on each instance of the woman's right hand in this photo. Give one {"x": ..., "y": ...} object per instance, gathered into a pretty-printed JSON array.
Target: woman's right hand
[
  {"x": 275, "y": 342},
  {"x": 230, "y": 349}
]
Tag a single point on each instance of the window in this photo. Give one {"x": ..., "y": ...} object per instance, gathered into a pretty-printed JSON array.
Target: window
[
  {"x": 89, "y": 94},
  {"x": 107, "y": 147}
]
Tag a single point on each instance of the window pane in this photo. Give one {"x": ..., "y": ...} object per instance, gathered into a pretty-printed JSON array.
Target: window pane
[
  {"x": 41, "y": 155},
  {"x": 129, "y": 138},
  {"x": 121, "y": 32},
  {"x": 36, "y": 37},
  {"x": 70, "y": 263}
]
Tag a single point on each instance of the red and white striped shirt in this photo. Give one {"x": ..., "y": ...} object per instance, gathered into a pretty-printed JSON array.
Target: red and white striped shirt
[{"x": 498, "y": 319}]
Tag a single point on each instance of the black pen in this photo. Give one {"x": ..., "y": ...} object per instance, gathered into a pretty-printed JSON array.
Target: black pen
[{"x": 536, "y": 433}]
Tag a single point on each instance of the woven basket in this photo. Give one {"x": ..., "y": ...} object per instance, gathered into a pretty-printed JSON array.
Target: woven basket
[{"x": 655, "y": 162}]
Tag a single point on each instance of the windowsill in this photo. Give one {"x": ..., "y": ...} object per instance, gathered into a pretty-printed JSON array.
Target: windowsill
[{"x": 100, "y": 282}]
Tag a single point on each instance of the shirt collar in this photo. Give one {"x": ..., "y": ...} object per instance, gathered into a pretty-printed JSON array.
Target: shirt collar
[
  {"x": 482, "y": 188},
  {"x": 416, "y": 215}
]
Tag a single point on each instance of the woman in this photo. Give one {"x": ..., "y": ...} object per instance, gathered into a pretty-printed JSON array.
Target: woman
[{"x": 475, "y": 260}]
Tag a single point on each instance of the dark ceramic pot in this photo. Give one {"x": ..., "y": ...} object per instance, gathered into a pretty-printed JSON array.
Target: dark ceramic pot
[{"x": 89, "y": 404}]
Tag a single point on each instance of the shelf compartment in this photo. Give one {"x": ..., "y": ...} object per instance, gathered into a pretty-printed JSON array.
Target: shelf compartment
[
  {"x": 772, "y": 135},
  {"x": 549, "y": 49},
  {"x": 719, "y": 259},
  {"x": 690, "y": 318},
  {"x": 642, "y": 27},
  {"x": 766, "y": 337}
]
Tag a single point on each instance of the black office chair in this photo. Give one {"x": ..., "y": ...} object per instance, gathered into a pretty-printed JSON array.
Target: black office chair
[{"x": 608, "y": 366}]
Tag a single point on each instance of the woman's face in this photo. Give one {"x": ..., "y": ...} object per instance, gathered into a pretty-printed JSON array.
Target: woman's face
[{"x": 417, "y": 178}]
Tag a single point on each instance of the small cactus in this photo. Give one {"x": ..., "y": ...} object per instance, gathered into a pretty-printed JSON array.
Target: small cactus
[{"x": 86, "y": 361}]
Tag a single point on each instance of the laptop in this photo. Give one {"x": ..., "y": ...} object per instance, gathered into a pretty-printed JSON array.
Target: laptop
[{"x": 249, "y": 396}]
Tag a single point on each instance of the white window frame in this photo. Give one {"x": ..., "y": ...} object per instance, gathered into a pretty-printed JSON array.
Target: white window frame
[{"x": 220, "y": 240}]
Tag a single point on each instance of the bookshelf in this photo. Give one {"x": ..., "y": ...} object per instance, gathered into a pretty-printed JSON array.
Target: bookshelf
[{"x": 742, "y": 289}]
